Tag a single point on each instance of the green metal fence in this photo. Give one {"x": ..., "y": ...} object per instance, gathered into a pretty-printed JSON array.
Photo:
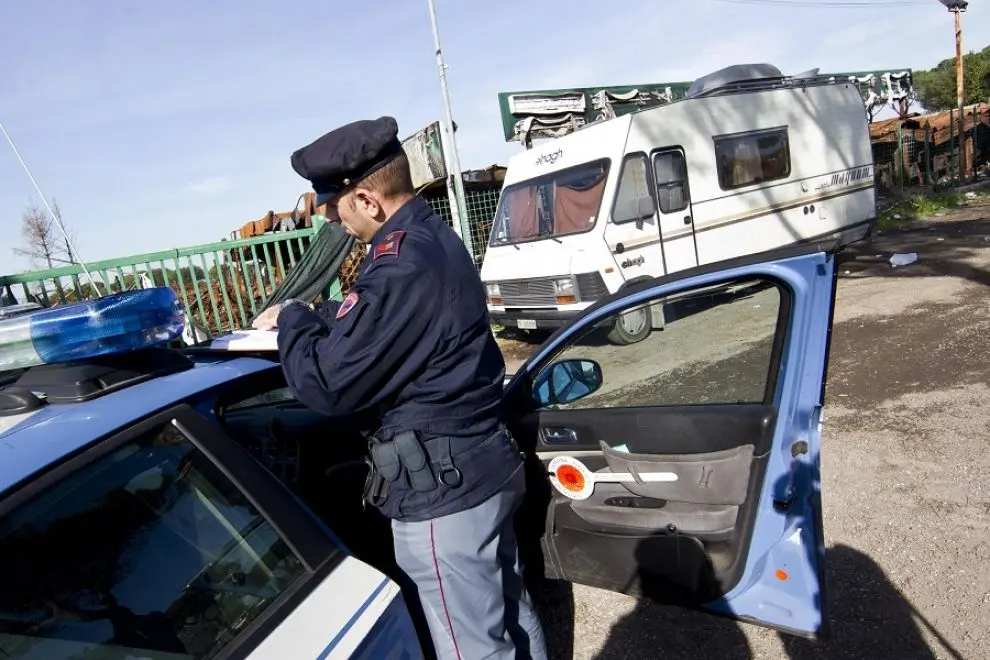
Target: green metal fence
[
  {"x": 221, "y": 285},
  {"x": 481, "y": 206}
]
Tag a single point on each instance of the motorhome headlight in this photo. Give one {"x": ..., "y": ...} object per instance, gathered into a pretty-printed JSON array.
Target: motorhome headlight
[
  {"x": 563, "y": 286},
  {"x": 564, "y": 290},
  {"x": 494, "y": 295},
  {"x": 114, "y": 324}
]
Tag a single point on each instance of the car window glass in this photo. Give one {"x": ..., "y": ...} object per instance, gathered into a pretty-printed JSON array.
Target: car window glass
[
  {"x": 277, "y": 395},
  {"x": 148, "y": 552},
  {"x": 716, "y": 348}
]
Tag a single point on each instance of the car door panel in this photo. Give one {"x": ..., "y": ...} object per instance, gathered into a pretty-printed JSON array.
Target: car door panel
[
  {"x": 647, "y": 429},
  {"x": 726, "y": 399},
  {"x": 684, "y": 436}
]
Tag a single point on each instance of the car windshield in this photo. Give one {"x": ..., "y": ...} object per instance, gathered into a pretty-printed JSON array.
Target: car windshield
[
  {"x": 150, "y": 552},
  {"x": 565, "y": 202}
]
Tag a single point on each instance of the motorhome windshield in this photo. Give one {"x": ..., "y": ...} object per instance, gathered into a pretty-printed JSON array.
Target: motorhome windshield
[{"x": 557, "y": 204}]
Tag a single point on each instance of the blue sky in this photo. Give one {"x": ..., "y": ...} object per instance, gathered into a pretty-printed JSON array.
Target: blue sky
[{"x": 167, "y": 124}]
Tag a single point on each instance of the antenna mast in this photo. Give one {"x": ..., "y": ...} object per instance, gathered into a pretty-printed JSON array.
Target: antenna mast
[{"x": 58, "y": 220}]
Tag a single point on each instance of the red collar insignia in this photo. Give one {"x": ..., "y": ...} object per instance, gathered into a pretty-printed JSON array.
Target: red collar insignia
[{"x": 390, "y": 245}]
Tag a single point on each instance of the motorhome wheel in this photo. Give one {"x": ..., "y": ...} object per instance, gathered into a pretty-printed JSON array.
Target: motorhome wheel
[{"x": 631, "y": 327}]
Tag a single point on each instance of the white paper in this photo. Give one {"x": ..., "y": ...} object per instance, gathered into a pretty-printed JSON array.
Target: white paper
[
  {"x": 247, "y": 340},
  {"x": 903, "y": 259}
]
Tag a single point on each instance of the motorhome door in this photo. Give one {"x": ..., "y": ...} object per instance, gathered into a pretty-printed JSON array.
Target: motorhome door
[{"x": 674, "y": 200}]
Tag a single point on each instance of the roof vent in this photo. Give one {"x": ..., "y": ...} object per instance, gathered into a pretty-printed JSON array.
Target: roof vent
[{"x": 733, "y": 74}]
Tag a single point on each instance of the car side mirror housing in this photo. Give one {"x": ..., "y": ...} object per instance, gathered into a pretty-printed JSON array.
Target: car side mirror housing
[{"x": 566, "y": 381}]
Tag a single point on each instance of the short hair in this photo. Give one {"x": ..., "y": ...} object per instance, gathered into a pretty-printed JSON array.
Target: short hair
[{"x": 393, "y": 178}]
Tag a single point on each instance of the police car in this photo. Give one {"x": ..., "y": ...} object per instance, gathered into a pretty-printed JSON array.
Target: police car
[{"x": 159, "y": 502}]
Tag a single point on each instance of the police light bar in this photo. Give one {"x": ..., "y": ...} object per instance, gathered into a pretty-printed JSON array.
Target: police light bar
[{"x": 114, "y": 324}]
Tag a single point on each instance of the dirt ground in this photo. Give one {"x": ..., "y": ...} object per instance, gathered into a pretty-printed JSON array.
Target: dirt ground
[{"x": 905, "y": 486}]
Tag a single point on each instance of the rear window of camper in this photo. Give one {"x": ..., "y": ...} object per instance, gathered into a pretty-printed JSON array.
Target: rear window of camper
[
  {"x": 556, "y": 204},
  {"x": 745, "y": 159}
]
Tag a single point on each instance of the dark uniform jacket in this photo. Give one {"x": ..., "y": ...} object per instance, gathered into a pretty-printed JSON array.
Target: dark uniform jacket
[{"x": 411, "y": 343}]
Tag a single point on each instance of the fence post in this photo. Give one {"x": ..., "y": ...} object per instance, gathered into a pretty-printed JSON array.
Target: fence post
[
  {"x": 952, "y": 145},
  {"x": 900, "y": 156},
  {"x": 928, "y": 155}
]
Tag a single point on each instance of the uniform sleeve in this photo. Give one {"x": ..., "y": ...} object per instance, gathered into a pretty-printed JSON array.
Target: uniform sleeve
[
  {"x": 367, "y": 354},
  {"x": 327, "y": 310}
]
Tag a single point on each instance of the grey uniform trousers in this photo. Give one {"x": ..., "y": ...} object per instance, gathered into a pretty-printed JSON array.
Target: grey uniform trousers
[{"x": 467, "y": 571}]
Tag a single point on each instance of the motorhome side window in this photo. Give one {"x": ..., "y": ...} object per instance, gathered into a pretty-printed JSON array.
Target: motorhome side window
[
  {"x": 748, "y": 158},
  {"x": 556, "y": 204},
  {"x": 633, "y": 200},
  {"x": 671, "y": 176}
]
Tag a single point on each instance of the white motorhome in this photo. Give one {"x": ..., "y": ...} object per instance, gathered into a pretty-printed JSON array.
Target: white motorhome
[{"x": 749, "y": 160}]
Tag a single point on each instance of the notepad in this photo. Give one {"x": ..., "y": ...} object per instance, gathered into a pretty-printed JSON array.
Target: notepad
[{"x": 247, "y": 340}]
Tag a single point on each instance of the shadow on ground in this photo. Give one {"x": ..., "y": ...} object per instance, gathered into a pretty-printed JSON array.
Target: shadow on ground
[
  {"x": 869, "y": 618},
  {"x": 943, "y": 249}
]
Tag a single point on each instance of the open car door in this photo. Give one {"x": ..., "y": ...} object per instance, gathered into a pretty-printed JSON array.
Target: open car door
[{"x": 684, "y": 468}]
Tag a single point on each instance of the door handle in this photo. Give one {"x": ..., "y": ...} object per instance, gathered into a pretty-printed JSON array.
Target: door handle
[
  {"x": 687, "y": 219},
  {"x": 552, "y": 435}
]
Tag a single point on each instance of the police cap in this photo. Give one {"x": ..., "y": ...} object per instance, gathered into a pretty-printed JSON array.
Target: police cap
[{"x": 346, "y": 155}]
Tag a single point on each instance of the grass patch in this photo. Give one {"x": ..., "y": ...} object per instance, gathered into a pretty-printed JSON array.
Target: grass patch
[{"x": 917, "y": 207}]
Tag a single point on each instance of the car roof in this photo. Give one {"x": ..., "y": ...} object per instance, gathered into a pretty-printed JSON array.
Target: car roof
[{"x": 47, "y": 435}]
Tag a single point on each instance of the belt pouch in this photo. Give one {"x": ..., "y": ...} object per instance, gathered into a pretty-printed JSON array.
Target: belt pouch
[
  {"x": 386, "y": 459},
  {"x": 375, "y": 486},
  {"x": 416, "y": 461}
]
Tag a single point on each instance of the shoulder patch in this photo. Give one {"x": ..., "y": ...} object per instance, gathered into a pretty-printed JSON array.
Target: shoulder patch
[
  {"x": 390, "y": 245},
  {"x": 348, "y": 304}
]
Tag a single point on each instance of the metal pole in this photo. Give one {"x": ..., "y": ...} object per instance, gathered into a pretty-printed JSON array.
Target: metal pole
[
  {"x": 952, "y": 144},
  {"x": 900, "y": 157},
  {"x": 457, "y": 206},
  {"x": 960, "y": 94},
  {"x": 44, "y": 199}
]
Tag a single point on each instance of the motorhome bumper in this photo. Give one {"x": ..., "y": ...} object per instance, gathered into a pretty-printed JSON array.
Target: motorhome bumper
[{"x": 532, "y": 319}]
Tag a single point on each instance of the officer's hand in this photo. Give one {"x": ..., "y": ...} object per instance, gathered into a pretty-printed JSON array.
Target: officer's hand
[{"x": 268, "y": 319}]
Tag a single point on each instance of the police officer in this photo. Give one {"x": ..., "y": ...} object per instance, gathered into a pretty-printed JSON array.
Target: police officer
[{"x": 411, "y": 345}]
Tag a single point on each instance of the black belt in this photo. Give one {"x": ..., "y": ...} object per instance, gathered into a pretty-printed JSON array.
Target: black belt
[{"x": 408, "y": 453}]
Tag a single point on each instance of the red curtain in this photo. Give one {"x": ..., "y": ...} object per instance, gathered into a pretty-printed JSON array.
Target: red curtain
[
  {"x": 575, "y": 210},
  {"x": 524, "y": 218}
]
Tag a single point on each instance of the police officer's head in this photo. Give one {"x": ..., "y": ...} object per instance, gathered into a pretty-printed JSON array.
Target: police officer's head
[{"x": 360, "y": 172}]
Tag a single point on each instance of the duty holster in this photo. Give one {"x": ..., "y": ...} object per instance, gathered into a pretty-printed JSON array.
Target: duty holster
[{"x": 403, "y": 462}]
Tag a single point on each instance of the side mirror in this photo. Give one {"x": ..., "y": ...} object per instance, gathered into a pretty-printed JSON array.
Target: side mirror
[{"x": 566, "y": 381}]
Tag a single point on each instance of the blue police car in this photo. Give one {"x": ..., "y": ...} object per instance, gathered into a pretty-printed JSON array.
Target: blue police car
[{"x": 166, "y": 503}]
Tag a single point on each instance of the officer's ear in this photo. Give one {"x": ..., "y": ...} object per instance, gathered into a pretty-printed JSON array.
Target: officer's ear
[{"x": 367, "y": 201}]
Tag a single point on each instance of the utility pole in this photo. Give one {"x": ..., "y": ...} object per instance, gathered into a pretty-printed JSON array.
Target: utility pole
[
  {"x": 458, "y": 208},
  {"x": 957, "y": 7}
]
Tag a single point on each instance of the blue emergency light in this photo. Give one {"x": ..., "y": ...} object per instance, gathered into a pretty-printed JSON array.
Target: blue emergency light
[{"x": 117, "y": 323}]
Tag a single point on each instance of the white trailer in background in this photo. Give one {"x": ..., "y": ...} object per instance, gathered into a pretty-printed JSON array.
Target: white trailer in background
[{"x": 748, "y": 161}]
